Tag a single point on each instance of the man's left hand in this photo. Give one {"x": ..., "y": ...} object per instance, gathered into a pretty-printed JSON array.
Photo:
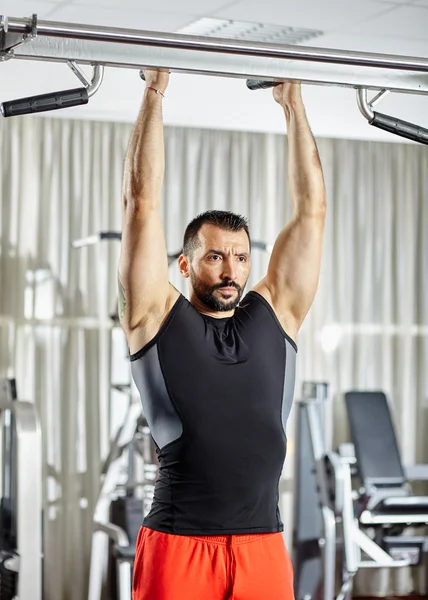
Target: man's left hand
[{"x": 288, "y": 94}]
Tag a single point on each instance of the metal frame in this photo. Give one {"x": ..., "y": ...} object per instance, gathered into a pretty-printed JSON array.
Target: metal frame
[
  {"x": 270, "y": 64},
  {"x": 388, "y": 122},
  {"x": 313, "y": 402},
  {"x": 365, "y": 106},
  {"x": 111, "y": 475},
  {"x": 119, "y": 459},
  {"x": 92, "y": 86},
  {"x": 340, "y": 527},
  {"x": 28, "y": 448},
  {"x": 29, "y": 39}
]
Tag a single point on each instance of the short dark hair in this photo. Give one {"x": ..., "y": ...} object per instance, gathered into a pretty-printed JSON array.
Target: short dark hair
[{"x": 220, "y": 218}]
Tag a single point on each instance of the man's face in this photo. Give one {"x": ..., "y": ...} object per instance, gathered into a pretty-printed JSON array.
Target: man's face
[{"x": 220, "y": 267}]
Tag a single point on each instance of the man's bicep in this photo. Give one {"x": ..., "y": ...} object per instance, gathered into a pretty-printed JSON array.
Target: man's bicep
[
  {"x": 143, "y": 267},
  {"x": 294, "y": 267}
]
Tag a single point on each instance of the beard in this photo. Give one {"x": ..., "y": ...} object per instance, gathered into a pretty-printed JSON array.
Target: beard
[{"x": 206, "y": 294}]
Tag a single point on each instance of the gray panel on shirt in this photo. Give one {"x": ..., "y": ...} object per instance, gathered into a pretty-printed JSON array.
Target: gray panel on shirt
[
  {"x": 289, "y": 382},
  {"x": 162, "y": 417}
]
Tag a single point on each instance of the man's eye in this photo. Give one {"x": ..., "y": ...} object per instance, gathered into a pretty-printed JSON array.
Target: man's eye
[
  {"x": 214, "y": 257},
  {"x": 242, "y": 258}
]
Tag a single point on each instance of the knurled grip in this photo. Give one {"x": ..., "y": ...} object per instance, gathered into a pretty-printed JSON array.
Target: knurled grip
[
  {"x": 259, "y": 84},
  {"x": 399, "y": 127},
  {"x": 45, "y": 102}
]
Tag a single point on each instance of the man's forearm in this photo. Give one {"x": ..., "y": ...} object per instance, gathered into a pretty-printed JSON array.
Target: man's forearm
[
  {"x": 145, "y": 160},
  {"x": 306, "y": 182}
]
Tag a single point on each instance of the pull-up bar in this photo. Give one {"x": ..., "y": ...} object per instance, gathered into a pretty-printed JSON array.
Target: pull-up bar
[{"x": 30, "y": 39}]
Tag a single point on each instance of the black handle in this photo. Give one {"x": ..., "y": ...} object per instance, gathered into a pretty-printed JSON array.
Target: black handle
[
  {"x": 399, "y": 127},
  {"x": 45, "y": 102},
  {"x": 259, "y": 84},
  {"x": 110, "y": 235}
]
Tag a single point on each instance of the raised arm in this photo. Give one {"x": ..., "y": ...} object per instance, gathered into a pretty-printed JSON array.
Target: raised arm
[
  {"x": 293, "y": 273},
  {"x": 145, "y": 294}
]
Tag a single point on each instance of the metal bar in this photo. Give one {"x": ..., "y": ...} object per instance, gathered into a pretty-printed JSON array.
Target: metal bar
[
  {"x": 375, "y": 552},
  {"x": 124, "y": 575},
  {"x": 315, "y": 396},
  {"x": 29, "y": 497},
  {"x": 115, "y": 533},
  {"x": 29, "y": 454},
  {"x": 349, "y": 525},
  {"x": 62, "y": 42},
  {"x": 363, "y": 104},
  {"x": 188, "y": 42},
  {"x": 379, "y": 97},
  {"x": 78, "y": 72},
  {"x": 368, "y": 519},
  {"x": 88, "y": 241},
  {"x": 97, "y": 79}
]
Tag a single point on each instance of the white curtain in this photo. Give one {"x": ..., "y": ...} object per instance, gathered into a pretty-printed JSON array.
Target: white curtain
[{"x": 61, "y": 180}]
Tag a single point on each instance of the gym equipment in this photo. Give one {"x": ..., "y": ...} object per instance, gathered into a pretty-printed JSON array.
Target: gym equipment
[
  {"x": 56, "y": 100},
  {"x": 342, "y": 528},
  {"x": 386, "y": 502},
  {"x": 120, "y": 509},
  {"x": 111, "y": 235},
  {"x": 116, "y": 235},
  {"x": 127, "y": 483},
  {"x": 379, "y": 120},
  {"x": 31, "y": 39},
  {"x": 387, "y": 122},
  {"x": 314, "y": 534},
  {"x": 21, "y": 497}
]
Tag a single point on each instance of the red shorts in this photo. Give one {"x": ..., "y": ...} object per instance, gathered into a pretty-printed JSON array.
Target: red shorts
[{"x": 231, "y": 567}]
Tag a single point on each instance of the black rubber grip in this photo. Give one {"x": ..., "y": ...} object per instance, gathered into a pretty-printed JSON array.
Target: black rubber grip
[
  {"x": 399, "y": 127},
  {"x": 259, "y": 84},
  {"x": 45, "y": 102},
  {"x": 110, "y": 235}
]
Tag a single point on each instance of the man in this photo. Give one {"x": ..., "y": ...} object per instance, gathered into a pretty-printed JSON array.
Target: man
[{"x": 216, "y": 374}]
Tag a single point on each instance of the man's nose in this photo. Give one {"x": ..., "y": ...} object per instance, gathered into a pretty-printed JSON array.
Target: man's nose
[{"x": 229, "y": 269}]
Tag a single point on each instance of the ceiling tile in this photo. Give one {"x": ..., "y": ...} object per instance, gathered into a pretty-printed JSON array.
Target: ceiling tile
[
  {"x": 21, "y": 8},
  {"x": 133, "y": 19},
  {"x": 326, "y": 15},
  {"x": 193, "y": 7},
  {"x": 376, "y": 44},
  {"x": 402, "y": 2},
  {"x": 409, "y": 22}
]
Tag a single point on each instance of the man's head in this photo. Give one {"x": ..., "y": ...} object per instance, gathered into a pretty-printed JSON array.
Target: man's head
[{"x": 216, "y": 259}]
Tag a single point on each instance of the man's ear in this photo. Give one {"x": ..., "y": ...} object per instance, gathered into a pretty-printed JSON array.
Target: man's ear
[{"x": 184, "y": 265}]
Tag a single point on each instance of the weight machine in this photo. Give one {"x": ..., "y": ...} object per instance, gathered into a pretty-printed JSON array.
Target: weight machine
[
  {"x": 74, "y": 44},
  {"x": 353, "y": 506},
  {"x": 21, "y": 551}
]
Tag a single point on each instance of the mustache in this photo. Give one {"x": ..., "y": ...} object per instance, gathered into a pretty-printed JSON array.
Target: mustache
[{"x": 226, "y": 284}]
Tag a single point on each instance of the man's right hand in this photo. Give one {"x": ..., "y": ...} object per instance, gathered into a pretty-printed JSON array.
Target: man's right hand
[{"x": 157, "y": 79}]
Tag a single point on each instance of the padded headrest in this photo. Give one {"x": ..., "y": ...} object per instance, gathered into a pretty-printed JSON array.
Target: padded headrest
[{"x": 373, "y": 435}]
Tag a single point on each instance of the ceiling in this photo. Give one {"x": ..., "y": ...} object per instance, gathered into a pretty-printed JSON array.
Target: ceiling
[{"x": 383, "y": 26}]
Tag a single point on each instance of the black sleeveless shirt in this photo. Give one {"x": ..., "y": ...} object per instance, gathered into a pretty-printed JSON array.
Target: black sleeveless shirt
[{"x": 217, "y": 394}]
